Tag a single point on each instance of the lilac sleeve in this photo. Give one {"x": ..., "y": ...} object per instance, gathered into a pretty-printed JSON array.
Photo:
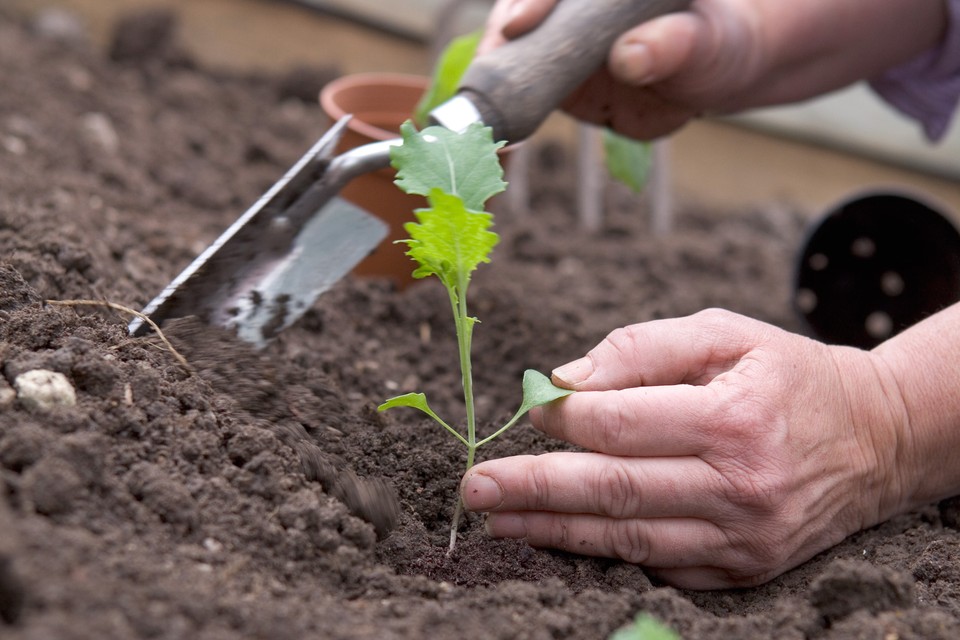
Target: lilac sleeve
[{"x": 927, "y": 88}]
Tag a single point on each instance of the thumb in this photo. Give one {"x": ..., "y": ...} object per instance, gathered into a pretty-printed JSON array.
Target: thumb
[
  {"x": 691, "y": 350},
  {"x": 656, "y": 50}
]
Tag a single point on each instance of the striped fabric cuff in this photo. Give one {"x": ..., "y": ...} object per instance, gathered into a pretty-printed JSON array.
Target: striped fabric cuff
[{"x": 927, "y": 88}]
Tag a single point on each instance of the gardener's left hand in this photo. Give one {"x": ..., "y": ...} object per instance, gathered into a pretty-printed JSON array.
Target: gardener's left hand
[{"x": 723, "y": 451}]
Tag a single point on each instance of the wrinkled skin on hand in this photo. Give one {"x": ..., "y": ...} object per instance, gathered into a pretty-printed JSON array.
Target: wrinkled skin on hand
[{"x": 722, "y": 452}]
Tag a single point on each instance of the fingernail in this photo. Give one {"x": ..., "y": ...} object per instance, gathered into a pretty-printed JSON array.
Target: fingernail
[
  {"x": 505, "y": 525},
  {"x": 575, "y": 372},
  {"x": 635, "y": 62},
  {"x": 482, "y": 493}
]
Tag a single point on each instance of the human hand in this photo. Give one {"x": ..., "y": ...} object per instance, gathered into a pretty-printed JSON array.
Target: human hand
[
  {"x": 723, "y": 56},
  {"x": 722, "y": 452}
]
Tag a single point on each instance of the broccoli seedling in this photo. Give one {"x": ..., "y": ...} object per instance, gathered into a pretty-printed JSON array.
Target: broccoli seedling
[{"x": 458, "y": 173}]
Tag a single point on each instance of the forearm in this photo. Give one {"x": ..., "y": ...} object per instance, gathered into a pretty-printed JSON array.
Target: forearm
[
  {"x": 925, "y": 362},
  {"x": 813, "y": 47}
]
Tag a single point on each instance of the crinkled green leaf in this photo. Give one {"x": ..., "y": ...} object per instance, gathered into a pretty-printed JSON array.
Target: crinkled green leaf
[
  {"x": 628, "y": 160},
  {"x": 451, "y": 66},
  {"x": 538, "y": 390},
  {"x": 462, "y": 164},
  {"x": 448, "y": 240}
]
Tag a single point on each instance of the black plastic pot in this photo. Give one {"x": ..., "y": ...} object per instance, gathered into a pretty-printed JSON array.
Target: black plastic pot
[{"x": 875, "y": 265}]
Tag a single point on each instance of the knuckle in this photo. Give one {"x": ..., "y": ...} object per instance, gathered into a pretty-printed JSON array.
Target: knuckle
[
  {"x": 621, "y": 343},
  {"x": 758, "y": 492},
  {"x": 747, "y": 428},
  {"x": 758, "y": 551},
  {"x": 625, "y": 540},
  {"x": 752, "y": 460},
  {"x": 538, "y": 491},
  {"x": 714, "y": 317},
  {"x": 612, "y": 421},
  {"x": 617, "y": 490},
  {"x": 557, "y": 534},
  {"x": 763, "y": 545}
]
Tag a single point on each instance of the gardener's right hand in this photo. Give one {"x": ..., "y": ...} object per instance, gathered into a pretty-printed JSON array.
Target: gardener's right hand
[
  {"x": 728, "y": 55},
  {"x": 722, "y": 451}
]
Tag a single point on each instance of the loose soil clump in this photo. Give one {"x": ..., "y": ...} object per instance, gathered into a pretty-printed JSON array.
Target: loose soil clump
[{"x": 238, "y": 498}]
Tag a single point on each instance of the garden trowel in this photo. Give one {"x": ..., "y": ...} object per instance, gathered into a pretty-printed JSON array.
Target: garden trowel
[{"x": 269, "y": 266}]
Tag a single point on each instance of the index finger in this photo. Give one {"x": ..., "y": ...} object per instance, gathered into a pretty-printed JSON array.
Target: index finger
[
  {"x": 643, "y": 421},
  {"x": 690, "y": 350}
]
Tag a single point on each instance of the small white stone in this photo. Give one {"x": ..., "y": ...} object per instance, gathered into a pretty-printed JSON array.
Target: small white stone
[
  {"x": 99, "y": 130},
  {"x": 7, "y": 395},
  {"x": 42, "y": 390},
  {"x": 212, "y": 545},
  {"x": 14, "y": 145},
  {"x": 59, "y": 25}
]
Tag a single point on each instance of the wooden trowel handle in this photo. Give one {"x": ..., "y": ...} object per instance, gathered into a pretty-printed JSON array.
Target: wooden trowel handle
[{"x": 517, "y": 85}]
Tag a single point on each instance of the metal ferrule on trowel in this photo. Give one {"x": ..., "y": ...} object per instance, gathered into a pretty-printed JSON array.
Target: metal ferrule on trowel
[{"x": 267, "y": 269}]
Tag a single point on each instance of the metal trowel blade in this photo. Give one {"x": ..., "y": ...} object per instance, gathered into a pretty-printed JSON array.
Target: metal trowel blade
[
  {"x": 328, "y": 247},
  {"x": 267, "y": 269}
]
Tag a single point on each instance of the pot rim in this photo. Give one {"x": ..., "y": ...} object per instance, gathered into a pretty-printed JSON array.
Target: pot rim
[{"x": 371, "y": 79}]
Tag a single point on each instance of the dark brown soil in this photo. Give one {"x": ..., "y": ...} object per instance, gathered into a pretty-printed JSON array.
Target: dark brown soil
[{"x": 230, "y": 501}]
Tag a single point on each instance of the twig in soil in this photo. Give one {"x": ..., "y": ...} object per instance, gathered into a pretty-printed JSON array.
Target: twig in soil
[{"x": 119, "y": 307}]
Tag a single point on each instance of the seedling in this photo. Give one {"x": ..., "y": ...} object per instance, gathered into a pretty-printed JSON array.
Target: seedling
[
  {"x": 628, "y": 160},
  {"x": 450, "y": 67},
  {"x": 644, "y": 627},
  {"x": 458, "y": 173}
]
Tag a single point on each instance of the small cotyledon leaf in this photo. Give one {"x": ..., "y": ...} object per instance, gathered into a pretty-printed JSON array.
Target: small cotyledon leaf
[
  {"x": 413, "y": 400},
  {"x": 418, "y": 401},
  {"x": 538, "y": 390}
]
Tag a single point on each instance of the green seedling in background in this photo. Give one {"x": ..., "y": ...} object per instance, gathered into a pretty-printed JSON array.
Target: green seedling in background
[
  {"x": 628, "y": 160},
  {"x": 457, "y": 173},
  {"x": 450, "y": 67},
  {"x": 644, "y": 627}
]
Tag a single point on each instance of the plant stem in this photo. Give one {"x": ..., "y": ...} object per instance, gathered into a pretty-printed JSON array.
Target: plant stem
[
  {"x": 458, "y": 511},
  {"x": 464, "y": 324}
]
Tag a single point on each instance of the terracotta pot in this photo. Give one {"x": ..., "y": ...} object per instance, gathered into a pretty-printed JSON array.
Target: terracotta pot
[{"x": 379, "y": 104}]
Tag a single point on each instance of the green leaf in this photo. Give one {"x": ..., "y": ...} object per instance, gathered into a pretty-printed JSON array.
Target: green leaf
[
  {"x": 462, "y": 164},
  {"x": 644, "y": 627},
  {"x": 419, "y": 401},
  {"x": 451, "y": 66},
  {"x": 413, "y": 400},
  {"x": 628, "y": 160},
  {"x": 449, "y": 241},
  {"x": 538, "y": 390}
]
